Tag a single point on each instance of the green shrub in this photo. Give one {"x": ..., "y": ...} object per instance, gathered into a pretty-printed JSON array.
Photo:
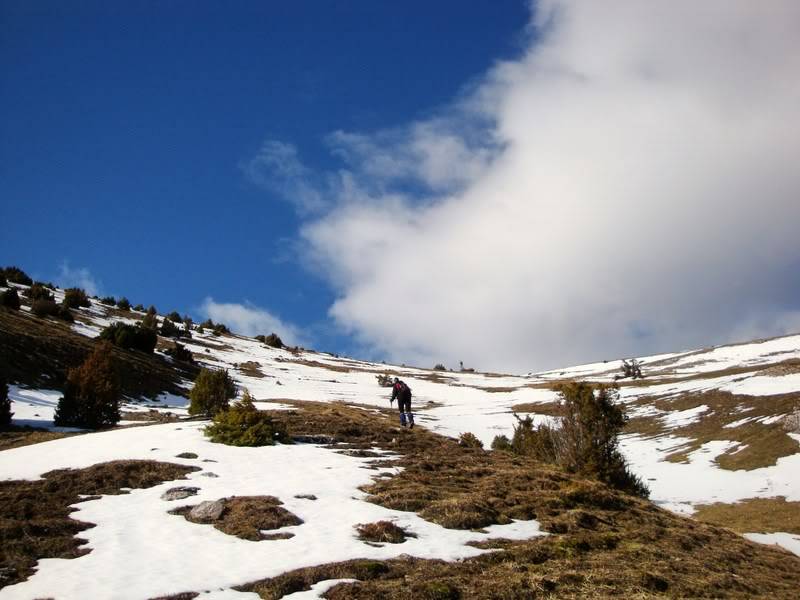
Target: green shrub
[
  {"x": 108, "y": 301},
  {"x": 5, "y": 404},
  {"x": 37, "y": 292},
  {"x": 92, "y": 393},
  {"x": 211, "y": 392},
  {"x": 130, "y": 337},
  {"x": 501, "y": 442},
  {"x": 244, "y": 425},
  {"x": 439, "y": 367},
  {"x": 168, "y": 329},
  {"x": 44, "y": 308},
  {"x": 151, "y": 310},
  {"x": 150, "y": 321},
  {"x": 76, "y": 298},
  {"x": 10, "y": 299},
  {"x": 139, "y": 308},
  {"x": 123, "y": 304},
  {"x": 586, "y": 439},
  {"x": 17, "y": 275},
  {"x": 221, "y": 328},
  {"x": 3, "y": 282},
  {"x": 469, "y": 440},
  {"x": 261, "y": 338},
  {"x": 175, "y": 317},
  {"x": 273, "y": 341},
  {"x": 180, "y": 353},
  {"x": 207, "y": 324}
]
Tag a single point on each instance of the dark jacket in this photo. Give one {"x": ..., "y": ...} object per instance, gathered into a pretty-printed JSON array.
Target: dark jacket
[{"x": 401, "y": 392}]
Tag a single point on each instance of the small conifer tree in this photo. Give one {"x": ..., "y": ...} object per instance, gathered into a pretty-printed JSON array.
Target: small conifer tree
[
  {"x": 5, "y": 404},
  {"x": 76, "y": 298},
  {"x": 150, "y": 321},
  {"x": 168, "y": 329},
  {"x": 244, "y": 425},
  {"x": 108, "y": 301},
  {"x": 17, "y": 275},
  {"x": 10, "y": 299},
  {"x": 212, "y": 390},
  {"x": 38, "y": 291},
  {"x": 92, "y": 393},
  {"x": 123, "y": 304}
]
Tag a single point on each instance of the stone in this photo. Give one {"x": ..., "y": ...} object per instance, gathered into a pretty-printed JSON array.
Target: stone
[
  {"x": 179, "y": 493},
  {"x": 208, "y": 511}
]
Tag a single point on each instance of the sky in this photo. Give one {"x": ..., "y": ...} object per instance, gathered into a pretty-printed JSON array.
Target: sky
[{"x": 515, "y": 186}]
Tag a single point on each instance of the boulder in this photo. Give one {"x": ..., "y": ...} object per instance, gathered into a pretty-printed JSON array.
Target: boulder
[{"x": 208, "y": 511}]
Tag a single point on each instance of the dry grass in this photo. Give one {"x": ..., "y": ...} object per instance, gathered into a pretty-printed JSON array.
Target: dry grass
[
  {"x": 382, "y": 532},
  {"x": 552, "y": 409},
  {"x": 764, "y": 443},
  {"x": 15, "y": 437},
  {"x": 246, "y": 517},
  {"x": 34, "y": 515},
  {"x": 755, "y": 515},
  {"x": 251, "y": 368},
  {"x": 604, "y": 543}
]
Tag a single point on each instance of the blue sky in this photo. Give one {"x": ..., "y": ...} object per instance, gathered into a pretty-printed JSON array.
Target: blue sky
[
  {"x": 124, "y": 126},
  {"x": 516, "y": 186}
]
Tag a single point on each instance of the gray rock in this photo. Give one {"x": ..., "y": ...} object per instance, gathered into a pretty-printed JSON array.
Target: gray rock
[
  {"x": 208, "y": 474},
  {"x": 208, "y": 511},
  {"x": 179, "y": 493}
]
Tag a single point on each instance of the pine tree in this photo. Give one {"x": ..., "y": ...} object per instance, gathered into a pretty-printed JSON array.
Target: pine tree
[
  {"x": 92, "y": 393},
  {"x": 5, "y": 404},
  {"x": 212, "y": 390}
]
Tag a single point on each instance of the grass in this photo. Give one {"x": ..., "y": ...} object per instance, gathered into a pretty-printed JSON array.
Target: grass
[
  {"x": 251, "y": 368},
  {"x": 34, "y": 515},
  {"x": 13, "y": 436},
  {"x": 382, "y": 532},
  {"x": 763, "y": 443},
  {"x": 246, "y": 517},
  {"x": 755, "y": 515},
  {"x": 603, "y": 544},
  {"x": 552, "y": 409}
]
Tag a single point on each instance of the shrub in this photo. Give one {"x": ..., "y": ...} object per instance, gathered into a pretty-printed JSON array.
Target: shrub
[
  {"x": 632, "y": 369},
  {"x": 221, "y": 328},
  {"x": 44, "y": 308},
  {"x": 38, "y": 292},
  {"x": 130, "y": 337},
  {"x": 439, "y": 367},
  {"x": 469, "y": 440},
  {"x": 92, "y": 393},
  {"x": 382, "y": 532},
  {"x": 3, "y": 282},
  {"x": 244, "y": 425},
  {"x": 139, "y": 308},
  {"x": 211, "y": 392},
  {"x": 123, "y": 304},
  {"x": 273, "y": 341},
  {"x": 168, "y": 329},
  {"x": 76, "y": 298},
  {"x": 151, "y": 310},
  {"x": 207, "y": 324},
  {"x": 17, "y": 275},
  {"x": 261, "y": 338},
  {"x": 175, "y": 317},
  {"x": 501, "y": 442},
  {"x": 150, "y": 321},
  {"x": 188, "y": 323},
  {"x": 385, "y": 379},
  {"x": 586, "y": 439},
  {"x": 10, "y": 299},
  {"x": 5, "y": 404},
  {"x": 180, "y": 353},
  {"x": 108, "y": 301}
]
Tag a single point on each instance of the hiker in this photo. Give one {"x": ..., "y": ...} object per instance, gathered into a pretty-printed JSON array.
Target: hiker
[{"x": 403, "y": 394}]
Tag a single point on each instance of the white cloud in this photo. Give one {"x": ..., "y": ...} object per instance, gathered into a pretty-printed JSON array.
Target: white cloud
[
  {"x": 628, "y": 185},
  {"x": 78, "y": 277},
  {"x": 249, "y": 319}
]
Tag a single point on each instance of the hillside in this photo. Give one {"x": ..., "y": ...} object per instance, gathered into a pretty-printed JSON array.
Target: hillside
[{"x": 707, "y": 432}]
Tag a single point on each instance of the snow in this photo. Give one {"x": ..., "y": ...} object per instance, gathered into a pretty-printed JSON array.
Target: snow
[
  {"x": 681, "y": 418},
  {"x": 135, "y": 534},
  {"x": 789, "y": 541},
  {"x": 763, "y": 385},
  {"x": 35, "y": 408}
]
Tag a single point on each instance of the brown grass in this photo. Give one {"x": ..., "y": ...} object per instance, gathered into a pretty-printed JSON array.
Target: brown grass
[
  {"x": 15, "y": 437},
  {"x": 604, "y": 543},
  {"x": 553, "y": 409},
  {"x": 382, "y": 532},
  {"x": 34, "y": 515},
  {"x": 755, "y": 515},
  {"x": 246, "y": 517},
  {"x": 251, "y": 368},
  {"x": 765, "y": 443}
]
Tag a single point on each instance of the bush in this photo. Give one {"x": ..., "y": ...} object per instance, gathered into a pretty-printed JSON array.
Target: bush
[
  {"x": 439, "y": 367},
  {"x": 150, "y": 321},
  {"x": 44, "y": 308},
  {"x": 92, "y": 393},
  {"x": 175, "y": 317},
  {"x": 632, "y": 369},
  {"x": 221, "y": 328},
  {"x": 108, "y": 301},
  {"x": 5, "y": 404},
  {"x": 130, "y": 337},
  {"x": 151, "y": 310},
  {"x": 76, "y": 298},
  {"x": 3, "y": 282},
  {"x": 123, "y": 304},
  {"x": 37, "y": 292},
  {"x": 10, "y": 299},
  {"x": 17, "y": 275},
  {"x": 244, "y": 425},
  {"x": 501, "y": 442},
  {"x": 273, "y": 341},
  {"x": 211, "y": 392},
  {"x": 180, "y": 353},
  {"x": 469, "y": 440},
  {"x": 586, "y": 440},
  {"x": 139, "y": 308},
  {"x": 385, "y": 380},
  {"x": 168, "y": 329}
]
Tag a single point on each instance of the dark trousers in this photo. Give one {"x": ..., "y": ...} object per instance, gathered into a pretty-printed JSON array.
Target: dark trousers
[{"x": 404, "y": 405}]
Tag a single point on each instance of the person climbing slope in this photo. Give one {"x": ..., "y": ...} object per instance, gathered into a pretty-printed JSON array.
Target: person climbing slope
[{"x": 403, "y": 394}]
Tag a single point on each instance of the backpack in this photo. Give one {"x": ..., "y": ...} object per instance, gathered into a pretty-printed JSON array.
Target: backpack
[{"x": 403, "y": 391}]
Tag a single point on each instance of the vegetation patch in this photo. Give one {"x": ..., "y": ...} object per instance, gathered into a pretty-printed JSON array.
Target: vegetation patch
[
  {"x": 244, "y": 425},
  {"x": 755, "y": 515},
  {"x": 246, "y": 517},
  {"x": 251, "y": 368},
  {"x": 764, "y": 443},
  {"x": 382, "y": 532},
  {"x": 34, "y": 515},
  {"x": 14, "y": 436},
  {"x": 551, "y": 409}
]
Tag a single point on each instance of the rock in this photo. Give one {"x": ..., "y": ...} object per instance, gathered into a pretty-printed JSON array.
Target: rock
[
  {"x": 208, "y": 474},
  {"x": 208, "y": 511},
  {"x": 179, "y": 493},
  {"x": 186, "y": 455}
]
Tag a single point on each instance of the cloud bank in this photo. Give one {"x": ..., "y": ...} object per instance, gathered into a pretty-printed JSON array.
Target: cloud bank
[
  {"x": 628, "y": 185},
  {"x": 248, "y": 319}
]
